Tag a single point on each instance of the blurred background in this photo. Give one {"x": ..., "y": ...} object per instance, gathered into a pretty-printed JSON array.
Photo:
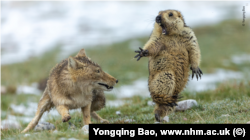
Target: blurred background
[{"x": 37, "y": 35}]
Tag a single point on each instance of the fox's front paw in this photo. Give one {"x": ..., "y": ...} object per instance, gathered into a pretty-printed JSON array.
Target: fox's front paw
[
  {"x": 141, "y": 53},
  {"x": 104, "y": 121},
  {"x": 197, "y": 72},
  {"x": 66, "y": 118}
]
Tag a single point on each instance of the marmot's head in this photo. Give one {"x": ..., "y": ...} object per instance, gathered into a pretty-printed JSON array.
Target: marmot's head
[{"x": 170, "y": 22}]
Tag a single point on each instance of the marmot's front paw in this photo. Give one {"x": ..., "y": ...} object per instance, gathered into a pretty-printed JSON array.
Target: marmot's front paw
[
  {"x": 141, "y": 53},
  {"x": 197, "y": 72}
]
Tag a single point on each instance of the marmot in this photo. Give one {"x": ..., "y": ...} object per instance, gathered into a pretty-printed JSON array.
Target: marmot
[{"x": 171, "y": 48}]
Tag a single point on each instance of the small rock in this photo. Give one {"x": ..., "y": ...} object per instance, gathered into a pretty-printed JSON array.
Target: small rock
[
  {"x": 157, "y": 122},
  {"x": 129, "y": 120},
  {"x": 151, "y": 103},
  {"x": 248, "y": 122},
  {"x": 85, "y": 129},
  {"x": 184, "y": 119},
  {"x": 71, "y": 126},
  {"x": 197, "y": 121},
  {"x": 26, "y": 135},
  {"x": 186, "y": 104},
  {"x": 63, "y": 139},
  {"x": 166, "y": 119},
  {"x": 55, "y": 131},
  {"x": 3, "y": 90},
  {"x": 118, "y": 112},
  {"x": 44, "y": 126},
  {"x": 10, "y": 124},
  {"x": 225, "y": 115},
  {"x": 72, "y": 139}
]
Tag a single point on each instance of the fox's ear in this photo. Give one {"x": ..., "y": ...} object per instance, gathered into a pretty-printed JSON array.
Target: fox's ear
[
  {"x": 81, "y": 53},
  {"x": 72, "y": 63}
]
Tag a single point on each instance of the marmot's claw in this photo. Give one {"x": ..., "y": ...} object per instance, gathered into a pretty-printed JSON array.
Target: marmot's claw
[
  {"x": 200, "y": 71},
  {"x": 139, "y": 58},
  {"x": 171, "y": 104},
  {"x": 197, "y": 71},
  {"x": 141, "y": 53},
  {"x": 137, "y": 55}
]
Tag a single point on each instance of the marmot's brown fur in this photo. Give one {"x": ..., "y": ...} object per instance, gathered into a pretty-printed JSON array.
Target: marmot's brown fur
[{"x": 171, "y": 48}]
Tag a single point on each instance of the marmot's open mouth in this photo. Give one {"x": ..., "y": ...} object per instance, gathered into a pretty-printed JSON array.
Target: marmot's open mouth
[
  {"x": 108, "y": 87},
  {"x": 164, "y": 31}
]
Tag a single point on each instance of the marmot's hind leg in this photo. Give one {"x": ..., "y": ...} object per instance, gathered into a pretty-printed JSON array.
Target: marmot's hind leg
[
  {"x": 162, "y": 89},
  {"x": 162, "y": 110}
]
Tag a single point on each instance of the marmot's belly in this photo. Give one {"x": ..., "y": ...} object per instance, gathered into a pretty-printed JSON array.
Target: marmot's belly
[{"x": 176, "y": 62}]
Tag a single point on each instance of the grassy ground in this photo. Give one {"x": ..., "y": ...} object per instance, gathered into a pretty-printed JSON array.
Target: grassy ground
[{"x": 218, "y": 44}]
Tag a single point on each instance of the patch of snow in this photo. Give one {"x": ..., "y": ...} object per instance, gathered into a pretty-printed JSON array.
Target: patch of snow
[
  {"x": 22, "y": 109},
  {"x": 225, "y": 115},
  {"x": 26, "y": 135},
  {"x": 240, "y": 59},
  {"x": 32, "y": 28},
  {"x": 139, "y": 87},
  {"x": 24, "y": 89},
  {"x": 10, "y": 124},
  {"x": 129, "y": 120},
  {"x": 208, "y": 81},
  {"x": 30, "y": 111},
  {"x": 118, "y": 112},
  {"x": 151, "y": 103},
  {"x": 115, "y": 103}
]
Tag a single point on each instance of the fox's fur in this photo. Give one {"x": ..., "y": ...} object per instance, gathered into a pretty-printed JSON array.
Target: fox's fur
[
  {"x": 171, "y": 48},
  {"x": 76, "y": 82}
]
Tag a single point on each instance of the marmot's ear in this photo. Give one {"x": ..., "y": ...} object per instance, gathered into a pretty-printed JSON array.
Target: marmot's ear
[
  {"x": 81, "y": 53},
  {"x": 72, "y": 63}
]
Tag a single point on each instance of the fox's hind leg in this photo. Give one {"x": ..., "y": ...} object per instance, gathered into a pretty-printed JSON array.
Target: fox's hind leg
[
  {"x": 97, "y": 104},
  {"x": 161, "y": 88},
  {"x": 44, "y": 105}
]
